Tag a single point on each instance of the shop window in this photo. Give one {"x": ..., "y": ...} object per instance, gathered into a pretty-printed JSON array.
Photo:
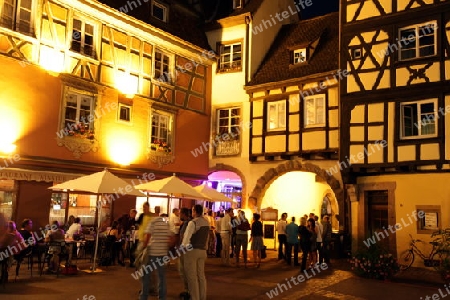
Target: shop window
[{"x": 7, "y": 198}]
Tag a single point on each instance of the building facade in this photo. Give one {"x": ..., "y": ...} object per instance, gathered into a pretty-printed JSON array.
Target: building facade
[
  {"x": 84, "y": 87},
  {"x": 394, "y": 123},
  {"x": 275, "y": 109}
]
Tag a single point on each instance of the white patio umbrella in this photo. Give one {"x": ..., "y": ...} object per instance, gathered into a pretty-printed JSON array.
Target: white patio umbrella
[
  {"x": 213, "y": 194},
  {"x": 99, "y": 183},
  {"x": 173, "y": 186}
]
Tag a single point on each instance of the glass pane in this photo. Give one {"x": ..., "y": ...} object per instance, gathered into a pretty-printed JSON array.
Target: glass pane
[
  {"x": 224, "y": 113},
  {"x": 427, "y": 117},
  {"x": 89, "y": 29},
  {"x": 407, "y": 54},
  {"x": 26, "y": 4},
  {"x": 7, "y": 14},
  {"x": 320, "y": 110},
  {"x": 226, "y": 49},
  {"x": 77, "y": 25},
  {"x": 410, "y": 120},
  {"x": 124, "y": 113},
  {"x": 158, "y": 12},
  {"x": 310, "y": 113}
]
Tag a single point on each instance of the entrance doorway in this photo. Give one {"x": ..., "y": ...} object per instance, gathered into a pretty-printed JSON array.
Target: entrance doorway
[{"x": 378, "y": 214}]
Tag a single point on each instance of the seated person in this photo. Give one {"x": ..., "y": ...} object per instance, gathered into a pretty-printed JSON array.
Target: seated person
[
  {"x": 55, "y": 234},
  {"x": 114, "y": 238},
  {"x": 74, "y": 229},
  {"x": 13, "y": 241}
]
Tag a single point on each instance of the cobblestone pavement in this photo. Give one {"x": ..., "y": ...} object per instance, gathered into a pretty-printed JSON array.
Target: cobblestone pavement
[{"x": 226, "y": 283}]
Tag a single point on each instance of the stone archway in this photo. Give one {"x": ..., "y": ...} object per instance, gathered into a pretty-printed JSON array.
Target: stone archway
[
  {"x": 224, "y": 167},
  {"x": 271, "y": 174}
]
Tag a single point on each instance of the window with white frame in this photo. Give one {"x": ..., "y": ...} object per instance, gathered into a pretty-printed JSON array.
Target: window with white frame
[
  {"x": 161, "y": 132},
  {"x": 159, "y": 11},
  {"x": 124, "y": 112},
  {"x": 300, "y": 56},
  {"x": 78, "y": 114},
  {"x": 276, "y": 112},
  {"x": 162, "y": 67},
  {"x": 418, "y": 119},
  {"x": 230, "y": 57},
  {"x": 418, "y": 41},
  {"x": 83, "y": 36},
  {"x": 314, "y": 110},
  {"x": 228, "y": 122},
  {"x": 17, "y": 15}
]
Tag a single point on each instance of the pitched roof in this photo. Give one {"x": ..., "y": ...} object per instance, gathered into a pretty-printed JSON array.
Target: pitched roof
[
  {"x": 219, "y": 9},
  {"x": 276, "y": 65},
  {"x": 183, "y": 22}
]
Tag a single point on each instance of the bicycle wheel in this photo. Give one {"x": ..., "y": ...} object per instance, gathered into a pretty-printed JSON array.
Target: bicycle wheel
[{"x": 405, "y": 260}]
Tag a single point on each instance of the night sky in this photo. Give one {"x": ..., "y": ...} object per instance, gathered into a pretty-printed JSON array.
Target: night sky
[{"x": 319, "y": 8}]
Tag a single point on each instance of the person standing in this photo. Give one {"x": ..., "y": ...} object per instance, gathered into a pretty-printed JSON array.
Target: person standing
[
  {"x": 326, "y": 240},
  {"x": 218, "y": 221},
  {"x": 292, "y": 242},
  {"x": 185, "y": 217},
  {"x": 225, "y": 235},
  {"x": 196, "y": 236},
  {"x": 157, "y": 237},
  {"x": 256, "y": 238},
  {"x": 242, "y": 237},
  {"x": 319, "y": 231},
  {"x": 282, "y": 242},
  {"x": 305, "y": 241},
  {"x": 313, "y": 245}
]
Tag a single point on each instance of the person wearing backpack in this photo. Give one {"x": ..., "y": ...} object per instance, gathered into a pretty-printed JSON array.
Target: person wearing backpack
[{"x": 305, "y": 242}]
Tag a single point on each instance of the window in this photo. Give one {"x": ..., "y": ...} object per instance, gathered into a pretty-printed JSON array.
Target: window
[
  {"x": 161, "y": 135},
  {"x": 428, "y": 218},
  {"x": 228, "y": 121},
  {"x": 162, "y": 67},
  {"x": 276, "y": 115},
  {"x": 159, "y": 11},
  {"x": 417, "y": 41},
  {"x": 82, "y": 37},
  {"x": 315, "y": 110},
  {"x": 418, "y": 119},
  {"x": 299, "y": 56},
  {"x": 230, "y": 57},
  {"x": 17, "y": 15},
  {"x": 8, "y": 194},
  {"x": 356, "y": 53},
  {"x": 124, "y": 112},
  {"x": 79, "y": 114}
]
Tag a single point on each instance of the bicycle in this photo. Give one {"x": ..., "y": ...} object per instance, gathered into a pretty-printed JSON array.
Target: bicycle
[{"x": 435, "y": 259}]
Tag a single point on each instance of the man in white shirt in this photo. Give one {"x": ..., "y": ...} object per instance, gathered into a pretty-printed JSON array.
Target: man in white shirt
[
  {"x": 225, "y": 235},
  {"x": 319, "y": 231},
  {"x": 75, "y": 228},
  {"x": 174, "y": 221},
  {"x": 282, "y": 238}
]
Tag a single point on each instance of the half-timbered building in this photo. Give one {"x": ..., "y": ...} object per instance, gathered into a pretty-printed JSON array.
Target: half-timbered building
[
  {"x": 85, "y": 86},
  {"x": 395, "y": 97}
]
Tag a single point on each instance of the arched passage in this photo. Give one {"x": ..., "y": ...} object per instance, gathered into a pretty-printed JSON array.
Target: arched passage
[
  {"x": 224, "y": 167},
  {"x": 257, "y": 194}
]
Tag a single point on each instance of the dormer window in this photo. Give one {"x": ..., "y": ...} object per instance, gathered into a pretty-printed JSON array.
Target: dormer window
[
  {"x": 300, "y": 56},
  {"x": 159, "y": 11}
]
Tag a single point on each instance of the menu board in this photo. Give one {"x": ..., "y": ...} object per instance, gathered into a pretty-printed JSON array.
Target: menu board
[{"x": 431, "y": 220}]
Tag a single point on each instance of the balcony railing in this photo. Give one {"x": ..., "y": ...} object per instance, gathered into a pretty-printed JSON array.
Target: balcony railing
[{"x": 225, "y": 148}]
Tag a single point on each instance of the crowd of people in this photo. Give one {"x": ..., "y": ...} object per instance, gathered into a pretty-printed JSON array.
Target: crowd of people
[{"x": 312, "y": 237}]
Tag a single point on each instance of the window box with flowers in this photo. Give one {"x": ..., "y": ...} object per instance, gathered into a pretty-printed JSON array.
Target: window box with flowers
[
  {"x": 77, "y": 122},
  {"x": 160, "y": 150}
]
